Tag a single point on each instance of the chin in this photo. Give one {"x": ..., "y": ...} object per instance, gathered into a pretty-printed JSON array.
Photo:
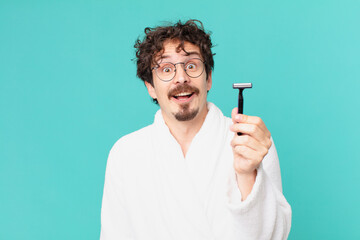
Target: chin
[{"x": 186, "y": 114}]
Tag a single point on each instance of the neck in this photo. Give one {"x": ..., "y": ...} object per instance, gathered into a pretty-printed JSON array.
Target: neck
[{"x": 185, "y": 131}]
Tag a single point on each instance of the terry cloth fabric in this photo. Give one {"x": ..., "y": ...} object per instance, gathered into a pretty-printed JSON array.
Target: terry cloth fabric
[{"x": 153, "y": 192}]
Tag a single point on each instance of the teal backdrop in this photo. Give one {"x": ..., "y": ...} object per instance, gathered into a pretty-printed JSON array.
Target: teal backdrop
[{"x": 68, "y": 91}]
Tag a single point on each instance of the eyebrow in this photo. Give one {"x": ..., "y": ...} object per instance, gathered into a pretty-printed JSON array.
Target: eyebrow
[{"x": 186, "y": 54}]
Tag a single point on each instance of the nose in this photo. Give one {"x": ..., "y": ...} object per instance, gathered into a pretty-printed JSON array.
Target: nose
[{"x": 181, "y": 76}]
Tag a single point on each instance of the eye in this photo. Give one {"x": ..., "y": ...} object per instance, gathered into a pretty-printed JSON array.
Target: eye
[
  {"x": 166, "y": 68},
  {"x": 191, "y": 66}
]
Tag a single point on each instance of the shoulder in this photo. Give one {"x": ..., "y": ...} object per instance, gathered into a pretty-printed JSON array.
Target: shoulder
[
  {"x": 130, "y": 146},
  {"x": 132, "y": 140},
  {"x": 218, "y": 114}
]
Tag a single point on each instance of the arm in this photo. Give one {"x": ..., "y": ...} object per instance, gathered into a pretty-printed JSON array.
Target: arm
[
  {"x": 265, "y": 214},
  {"x": 256, "y": 201}
]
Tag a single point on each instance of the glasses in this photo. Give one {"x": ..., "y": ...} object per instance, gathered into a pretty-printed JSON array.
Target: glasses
[{"x": 166, "y": 71}]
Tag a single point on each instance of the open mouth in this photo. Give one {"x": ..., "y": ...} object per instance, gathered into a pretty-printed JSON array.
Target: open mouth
[
  {"x": 183, "y": 93},
  {"x": 184, "y": 96}
]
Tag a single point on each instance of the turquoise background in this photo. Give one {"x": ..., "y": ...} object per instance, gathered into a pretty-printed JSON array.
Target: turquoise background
[{"x": 68, "y": 91}]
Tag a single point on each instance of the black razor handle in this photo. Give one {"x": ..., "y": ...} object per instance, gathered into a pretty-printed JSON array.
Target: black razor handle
[{"x": 240, "y": 105}]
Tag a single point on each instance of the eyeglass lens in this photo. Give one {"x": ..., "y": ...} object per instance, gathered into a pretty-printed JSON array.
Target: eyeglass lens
[{"x": 193, "y": 68}]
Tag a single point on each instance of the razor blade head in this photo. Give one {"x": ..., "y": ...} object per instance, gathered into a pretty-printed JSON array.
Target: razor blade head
[{"x": 242, "y": 85}]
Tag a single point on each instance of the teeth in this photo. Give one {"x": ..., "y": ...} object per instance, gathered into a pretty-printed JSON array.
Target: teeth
[{"x": 182, "y": 94}]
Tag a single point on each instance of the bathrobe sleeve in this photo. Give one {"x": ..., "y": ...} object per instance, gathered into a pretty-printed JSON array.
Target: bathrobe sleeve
[
  {"x": 114, "y": 218},
  {"x": 265, "y": 213}
]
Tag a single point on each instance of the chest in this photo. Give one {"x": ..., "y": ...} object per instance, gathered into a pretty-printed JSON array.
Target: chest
[{"x": 168, "y": 195}]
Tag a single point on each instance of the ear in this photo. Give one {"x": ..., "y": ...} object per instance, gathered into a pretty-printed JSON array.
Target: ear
[
  {"x": 209, "y": 81},
  {"x": 151, "y": 90}
]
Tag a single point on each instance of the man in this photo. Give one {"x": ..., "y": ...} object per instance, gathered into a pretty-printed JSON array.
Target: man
[{"x": 189, "y": 175}]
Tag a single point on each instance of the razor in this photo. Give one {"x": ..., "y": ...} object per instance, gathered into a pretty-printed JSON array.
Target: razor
[{"x": 241, "y": 87}]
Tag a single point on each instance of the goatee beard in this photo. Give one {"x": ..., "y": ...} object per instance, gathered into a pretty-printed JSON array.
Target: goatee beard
[{"x": 186, "y": 114}]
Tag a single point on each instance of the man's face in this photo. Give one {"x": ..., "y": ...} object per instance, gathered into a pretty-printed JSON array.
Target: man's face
[{"x": 183, "y": 98}]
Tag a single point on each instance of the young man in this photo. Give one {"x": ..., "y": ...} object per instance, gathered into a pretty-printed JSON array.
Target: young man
[{"x": 189, "y": 175}]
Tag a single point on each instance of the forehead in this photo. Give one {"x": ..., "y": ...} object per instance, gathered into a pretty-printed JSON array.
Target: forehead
[{"x": 173, "y": 51}]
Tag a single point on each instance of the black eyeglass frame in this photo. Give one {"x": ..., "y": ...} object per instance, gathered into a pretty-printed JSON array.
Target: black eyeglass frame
[{"x": 183, "y": 68}]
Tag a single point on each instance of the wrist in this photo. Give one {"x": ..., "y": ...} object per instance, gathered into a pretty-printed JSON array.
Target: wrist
[
  {"x": 249, "y": 176},
  {"x": 245, "y": 182}
]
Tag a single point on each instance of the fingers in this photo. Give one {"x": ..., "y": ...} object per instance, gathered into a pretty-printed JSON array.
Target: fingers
[
  {"x": 246, "y": 159},
  {"x": 254, "y": 131},
  {"x": 250, "y": 142},
  {"x": 247, "y": 122},
  {"x": 251, "y": 147},
  {"x": 248, "y": 153},
  {"x": 237, "y": 117}
]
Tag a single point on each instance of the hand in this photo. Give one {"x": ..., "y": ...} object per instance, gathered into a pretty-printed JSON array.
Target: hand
[{"x": 250, "y": 148}]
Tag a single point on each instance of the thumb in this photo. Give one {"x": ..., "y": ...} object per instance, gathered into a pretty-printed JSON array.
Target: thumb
[{"x": 235, "y": 116}]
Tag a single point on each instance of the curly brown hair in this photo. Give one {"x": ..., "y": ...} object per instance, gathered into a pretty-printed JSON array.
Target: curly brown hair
[{"x": 153, "y": 43}]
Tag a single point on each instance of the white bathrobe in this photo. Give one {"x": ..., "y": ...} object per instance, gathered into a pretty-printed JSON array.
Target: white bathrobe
[{"x": 153, "y": 192}]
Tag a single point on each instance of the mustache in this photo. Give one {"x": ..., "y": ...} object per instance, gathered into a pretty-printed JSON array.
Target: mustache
[{"x": 182, "y": 88}]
